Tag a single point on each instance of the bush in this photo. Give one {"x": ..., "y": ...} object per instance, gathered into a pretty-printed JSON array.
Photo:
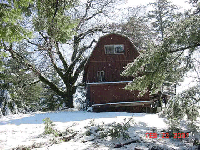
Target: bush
[
  {"x": 119, "y": 130},
  {"x": 114, "y": 130},
  {"x": 48, "y": 129},
  {"x": 88, "y": 132}
]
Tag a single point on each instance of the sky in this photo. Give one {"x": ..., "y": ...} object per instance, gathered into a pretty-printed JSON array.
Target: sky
[{"x": 181, "y": 3}]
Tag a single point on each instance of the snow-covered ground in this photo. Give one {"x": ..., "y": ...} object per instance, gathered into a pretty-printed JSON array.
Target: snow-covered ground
[{"x": 83, "y": 130}]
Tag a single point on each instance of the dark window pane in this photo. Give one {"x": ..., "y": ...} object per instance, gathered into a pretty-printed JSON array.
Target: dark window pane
[
  {"x": 119, "y": 48},
  {"x": 109, "y": 49}
]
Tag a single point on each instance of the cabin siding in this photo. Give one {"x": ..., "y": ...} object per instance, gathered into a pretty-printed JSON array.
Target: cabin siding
[
  {"x": 112, "y": 93},
  {"x": 112, "y": 65},
  {"x": 112, "y": 70}
]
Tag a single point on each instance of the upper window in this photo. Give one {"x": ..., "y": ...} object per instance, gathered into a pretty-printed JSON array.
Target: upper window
[{"x": 114, "y": 49}]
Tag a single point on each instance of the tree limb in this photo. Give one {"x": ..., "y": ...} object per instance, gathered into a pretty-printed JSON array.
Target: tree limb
[
  {"x": 81, "y": 51},
  {"x": 55, "y": 11},
  {"x": 58, "y": 70},
  {"x": 93, "y": 30},
  {"x": 184, "y": 48},
  {"x": 79, "y": 70},
  {"x": 65, "y": 65},
  {"x": 31, "y": 83},
  {"x": 20, "y": 59},
  {"x": 88, "y": 5}
]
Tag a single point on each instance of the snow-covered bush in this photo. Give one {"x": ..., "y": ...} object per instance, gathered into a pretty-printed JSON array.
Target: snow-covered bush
[
  {"x": 118, "y": 130},
  {"x": 113, "y": 130},
  {"x": 48, "y": 129}
]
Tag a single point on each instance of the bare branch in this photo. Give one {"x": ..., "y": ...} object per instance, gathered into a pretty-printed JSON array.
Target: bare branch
[
  {"x": 58, "y": 70},
  {"x": 90, "y": 31},
  {"x": 44, "y": 37},
  {"x": 61, "y": 56},
  {"x": 34, "y": 43},
  {"x": 86, "y": 16},
  {"x": 20, "y": 59},
  {"x": 88, "y": 5},
  {"x": 81, "y": 51}
]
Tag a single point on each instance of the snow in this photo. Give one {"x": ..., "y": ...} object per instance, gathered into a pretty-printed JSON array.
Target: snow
[
  {"x": 108, "y": 82},
  {"x": 26, "y": 130}
]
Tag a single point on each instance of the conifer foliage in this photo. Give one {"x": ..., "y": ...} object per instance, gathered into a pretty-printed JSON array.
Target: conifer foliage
[{"x": 168, "y": 58}]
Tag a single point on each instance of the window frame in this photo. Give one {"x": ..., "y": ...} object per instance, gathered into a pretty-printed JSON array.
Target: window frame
[{"x": 114, "y": 48}]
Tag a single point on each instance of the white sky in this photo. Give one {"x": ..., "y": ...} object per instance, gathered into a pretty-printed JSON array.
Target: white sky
[{"x": 181, "y": 3}]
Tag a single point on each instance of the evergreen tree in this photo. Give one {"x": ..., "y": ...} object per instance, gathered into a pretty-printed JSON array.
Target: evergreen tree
[
  {"x": 136, "y": 28},
  {"x": 161, "y": 58},
  {"x": 185, "y": 103},
  {"x": 163, "y": 15},
  {"x": 11, "y": 14},
  {"x": 170, "y": 60}
]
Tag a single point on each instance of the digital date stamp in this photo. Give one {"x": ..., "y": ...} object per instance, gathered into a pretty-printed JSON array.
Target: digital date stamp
[{"x": 167, "y": 135}]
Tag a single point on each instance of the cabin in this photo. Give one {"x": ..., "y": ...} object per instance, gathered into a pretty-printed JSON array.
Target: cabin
[{"x": 104, "y": 84}]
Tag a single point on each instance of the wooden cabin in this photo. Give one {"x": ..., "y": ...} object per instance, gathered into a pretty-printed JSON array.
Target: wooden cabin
[{"x": 104, "y": 84}]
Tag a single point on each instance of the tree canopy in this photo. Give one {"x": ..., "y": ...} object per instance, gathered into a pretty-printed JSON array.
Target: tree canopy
[
  {"x": 59, "y": 28},
  {"x": 170, "y": 58},
  {"x": 11, "y": 13}
]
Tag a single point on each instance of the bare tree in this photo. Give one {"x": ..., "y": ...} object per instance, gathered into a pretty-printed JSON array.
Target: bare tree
[{"x": 62, "y": 32}]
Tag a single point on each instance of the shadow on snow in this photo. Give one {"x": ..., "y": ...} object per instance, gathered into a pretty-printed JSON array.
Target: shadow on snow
[{"x": 65, "y": 116}]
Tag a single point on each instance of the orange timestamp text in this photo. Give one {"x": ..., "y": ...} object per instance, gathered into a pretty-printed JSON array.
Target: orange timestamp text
[{"x": 167, "y": 135}]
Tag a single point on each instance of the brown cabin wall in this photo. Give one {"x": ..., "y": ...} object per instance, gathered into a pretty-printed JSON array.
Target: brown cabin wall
[
  {"x": 113, "y": 92},
  {"x": 112, "y": 71},
  {"x": 111, "y": 64}
]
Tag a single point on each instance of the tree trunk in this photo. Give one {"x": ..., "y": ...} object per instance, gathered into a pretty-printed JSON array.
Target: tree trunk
[
  {"x": 68, "y": 100},
  {"x": 68, "y": 97}
]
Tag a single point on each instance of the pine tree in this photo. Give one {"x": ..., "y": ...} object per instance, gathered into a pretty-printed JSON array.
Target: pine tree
[
  {"x": 163, "y": 15},
  {"x": 170, "y": 60},
  {"x": 161, "y": 58}
]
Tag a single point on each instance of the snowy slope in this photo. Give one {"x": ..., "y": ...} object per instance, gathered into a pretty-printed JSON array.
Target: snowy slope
[{"x": 26, "y": 130}]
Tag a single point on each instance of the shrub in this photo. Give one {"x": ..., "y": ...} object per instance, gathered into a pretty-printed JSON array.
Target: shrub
[
  {"x": 119, "y": 130},
  {"x": 88, "y": 132},
  {"x": 48, "y": 129},
  {"x": 114, "y": 130}
]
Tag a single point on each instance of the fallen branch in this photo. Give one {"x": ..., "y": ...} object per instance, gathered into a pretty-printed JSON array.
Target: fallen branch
[
  {"x": 127, "y": 143},
  {"x": 68, "y": 138}
]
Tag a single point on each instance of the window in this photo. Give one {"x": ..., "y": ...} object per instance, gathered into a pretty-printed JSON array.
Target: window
[
  {"x": 114, "y": 49},
  {"x": 109, "y": 49},
  {"x": 119, "y": 49},
  {"x": 100, "y": 76}
]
